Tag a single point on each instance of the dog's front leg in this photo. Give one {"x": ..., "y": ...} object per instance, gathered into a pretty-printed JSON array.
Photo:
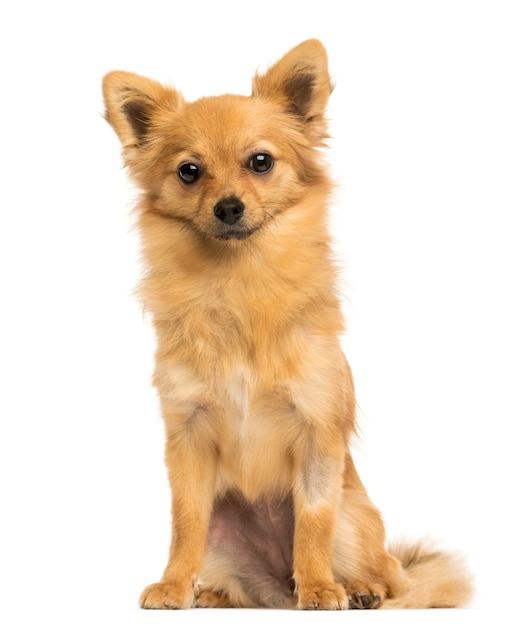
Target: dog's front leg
[
  {"x": 316, "y": 496},
  {"x": 190, "y": 460}
]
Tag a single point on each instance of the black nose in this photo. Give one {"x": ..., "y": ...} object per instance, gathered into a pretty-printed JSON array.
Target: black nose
[{"x": 229, "y": 210}]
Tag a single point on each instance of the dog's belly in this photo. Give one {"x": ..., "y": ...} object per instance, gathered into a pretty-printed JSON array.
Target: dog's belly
[{"x": 252, "y": 542}]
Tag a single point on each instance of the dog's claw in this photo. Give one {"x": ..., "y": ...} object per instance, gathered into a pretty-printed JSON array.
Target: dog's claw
[{"x": 363, "y": 601}]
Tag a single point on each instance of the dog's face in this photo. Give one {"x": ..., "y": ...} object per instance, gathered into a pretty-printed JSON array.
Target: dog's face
[{"x": 225, "y": 166}]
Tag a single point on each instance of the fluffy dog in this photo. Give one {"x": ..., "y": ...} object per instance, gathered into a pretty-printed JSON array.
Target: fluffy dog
[{"x": 256, "y": 394}]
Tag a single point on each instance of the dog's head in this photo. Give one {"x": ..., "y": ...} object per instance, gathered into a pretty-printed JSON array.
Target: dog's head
[{"x": 226, "y": 166}]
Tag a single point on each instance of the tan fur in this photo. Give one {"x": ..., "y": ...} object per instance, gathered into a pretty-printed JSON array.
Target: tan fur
[{"x": 255, "y": 391}]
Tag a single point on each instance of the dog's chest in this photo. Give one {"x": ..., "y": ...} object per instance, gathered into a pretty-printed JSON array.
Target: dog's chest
[
  {"x": 238, "y": 391},
  {"x": 254, "y": 434},
  {"x": 244, "y": 416}
]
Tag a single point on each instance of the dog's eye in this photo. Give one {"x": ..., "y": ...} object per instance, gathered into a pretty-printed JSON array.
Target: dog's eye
[
  {"x": 261, "y": 163},
  {"x": 189, "y": 173}
]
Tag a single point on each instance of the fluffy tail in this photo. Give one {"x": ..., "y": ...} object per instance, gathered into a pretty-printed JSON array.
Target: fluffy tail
[{"x": 432, "y": 579}]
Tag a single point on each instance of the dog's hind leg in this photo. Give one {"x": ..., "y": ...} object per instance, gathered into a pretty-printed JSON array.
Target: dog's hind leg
[
  {"x": 360, "y": 561},
  {"x": 210, "y": 599}
]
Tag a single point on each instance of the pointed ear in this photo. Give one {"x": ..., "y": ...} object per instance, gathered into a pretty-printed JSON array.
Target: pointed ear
[
  {"x": 300, "y": 82},
  {"x": 131, "y": 102}
]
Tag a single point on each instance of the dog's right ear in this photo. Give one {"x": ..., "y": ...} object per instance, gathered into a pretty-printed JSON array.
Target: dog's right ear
[{"x": 131, "y": 103}]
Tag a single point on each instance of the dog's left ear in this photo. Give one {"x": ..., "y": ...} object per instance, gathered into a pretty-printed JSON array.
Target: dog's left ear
[{"x": 299, "y": 82}]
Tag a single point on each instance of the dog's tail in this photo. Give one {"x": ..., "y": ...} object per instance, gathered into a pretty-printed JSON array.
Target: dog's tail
[{"x": 432, "y": 578}]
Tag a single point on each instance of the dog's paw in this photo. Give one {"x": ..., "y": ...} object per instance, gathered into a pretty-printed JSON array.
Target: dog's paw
[
  {"x": 362, "y": 596},
  {"x": 327, "y": 597},
  {"x": 167, "y": 596}
]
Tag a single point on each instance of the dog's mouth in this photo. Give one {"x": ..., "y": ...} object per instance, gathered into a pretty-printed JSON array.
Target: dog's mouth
[{"x": 235, "y": 233}]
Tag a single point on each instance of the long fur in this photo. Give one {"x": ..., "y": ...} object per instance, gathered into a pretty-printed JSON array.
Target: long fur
[{"x": 256, "y": 394}]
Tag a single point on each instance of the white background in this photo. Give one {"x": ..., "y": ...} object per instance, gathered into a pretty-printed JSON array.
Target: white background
[{"x": 430, "y": 150}]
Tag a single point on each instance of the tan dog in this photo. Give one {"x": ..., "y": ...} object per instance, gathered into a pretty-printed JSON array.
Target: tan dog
[{"x": 256, "y": 394}]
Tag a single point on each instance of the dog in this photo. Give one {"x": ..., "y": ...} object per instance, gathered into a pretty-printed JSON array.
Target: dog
[{"x": 256, "y": 394}]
